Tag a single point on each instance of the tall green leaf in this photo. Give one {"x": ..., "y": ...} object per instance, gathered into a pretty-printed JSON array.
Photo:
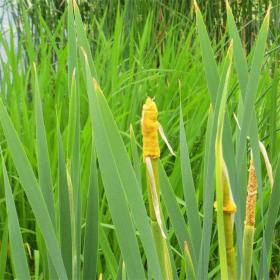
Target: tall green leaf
[
  {"x": 215, "y": 87},
  {"x": 16, "y": 242},
  {"x": 189, "y": 191},
  {"x": 113, "y": 184},
  {"x": 4, "y": 251},
  {"x": 251, "y": 89},
  {"x": 243, "y": 76},
  {"x": 211, "y": 71},
  {"x": 64, "y": 209},
  {"x": 219, "y": 170},
  {"x": 273, "y": 209},
  {"x": 44, "y": 167},
  {"x": 92, "y": 224},
  {"x": 33, "y": 193}
]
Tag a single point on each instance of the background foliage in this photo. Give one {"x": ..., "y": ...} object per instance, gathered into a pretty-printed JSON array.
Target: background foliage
[{"x": 139, "y": 49}]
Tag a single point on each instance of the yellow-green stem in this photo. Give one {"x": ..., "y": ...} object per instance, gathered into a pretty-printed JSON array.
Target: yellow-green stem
[
  {"x": 248, "y": 240},
  {"x": 230, "y": 250},
  {"x": 160, "y": 241},
  {"x": 229, "y": 210}
]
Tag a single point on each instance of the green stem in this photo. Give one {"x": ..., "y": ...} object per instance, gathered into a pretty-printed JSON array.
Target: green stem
[
  {"x": 230, "y": 250},
  {"x": 160, "y": 241},
  {"x": 228, "y": 227},
  {"x": 248, "y": 240},
  {"x": 220, "y": 214}
]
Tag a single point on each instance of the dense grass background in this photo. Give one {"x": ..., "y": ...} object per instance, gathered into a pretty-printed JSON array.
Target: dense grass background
[{"x": 138, "y": 50}]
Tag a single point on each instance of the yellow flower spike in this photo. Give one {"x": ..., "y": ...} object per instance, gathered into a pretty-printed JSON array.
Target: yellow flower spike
[
  {"x": 151, "y": 153},
  {"x": 149, "y": 125},
  {"x": 252, "y": 196},
  {"x": 249, "y": 228}
]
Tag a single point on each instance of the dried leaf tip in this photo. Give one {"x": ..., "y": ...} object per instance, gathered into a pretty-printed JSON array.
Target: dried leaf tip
[
  {"x": 74, "y": 3},
  {"x": 96, "y": 85},
  {"x": 149, "y": 125},
  {"x": 196, "y": 6},
  {"x": 227, "y": 5},
  {"x": 251, "y": 196}
]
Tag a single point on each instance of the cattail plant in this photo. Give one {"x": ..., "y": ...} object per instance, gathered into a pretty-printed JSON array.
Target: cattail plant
[
  {"x": 224, "y": 204},
  {"x": 151, "y": 154},
  {"x": 229, "y": 209},
  {"x": 249, "y": 229},
  {"x": 71, "y": 201}
]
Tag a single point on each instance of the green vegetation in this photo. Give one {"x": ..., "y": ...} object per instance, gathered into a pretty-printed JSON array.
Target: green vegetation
[{"x": 79, "y": 200}]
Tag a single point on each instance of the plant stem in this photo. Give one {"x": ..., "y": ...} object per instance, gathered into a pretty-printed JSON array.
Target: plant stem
[
  {"x": 229, "y": 209},
  {"x": 160, "y": 241},
  {"x": 248, "y": 240}
]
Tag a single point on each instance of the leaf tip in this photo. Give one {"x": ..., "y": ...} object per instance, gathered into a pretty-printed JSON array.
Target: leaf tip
[
  {"x": 196, "y": 7},
  {"x": 227, "y": 5},
  {"x": 74, "y": 3},
  {"x": 267, "y": 16},
  {"x": 131, "y": 130},
  {"x": 74, "y": 73}
]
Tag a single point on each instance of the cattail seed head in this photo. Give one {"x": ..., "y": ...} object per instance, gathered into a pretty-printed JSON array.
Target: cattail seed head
[
  {"x": 149, "y": 125},
  {"x": 251, "y": 196}
]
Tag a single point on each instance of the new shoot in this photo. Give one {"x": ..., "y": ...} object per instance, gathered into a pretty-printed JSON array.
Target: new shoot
[{"x": 151, "y": 154}]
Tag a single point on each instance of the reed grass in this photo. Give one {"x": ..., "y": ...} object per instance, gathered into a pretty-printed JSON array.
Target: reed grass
[{"x": 75, "y": 202}]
